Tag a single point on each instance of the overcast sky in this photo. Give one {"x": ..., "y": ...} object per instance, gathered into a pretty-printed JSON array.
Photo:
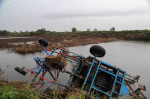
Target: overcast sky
[{"x": 62, "y": 15}]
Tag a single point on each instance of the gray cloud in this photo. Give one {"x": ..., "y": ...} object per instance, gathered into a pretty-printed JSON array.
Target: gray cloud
[
  {"x": 96, "y": 8},
  {"x": 62, "y": 15},
  {"x": 1, "y": 2},
  {"x": 110, "y": 13}
]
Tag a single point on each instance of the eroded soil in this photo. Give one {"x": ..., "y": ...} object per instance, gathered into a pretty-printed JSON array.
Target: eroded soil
[{"x": 20, "y": 45}]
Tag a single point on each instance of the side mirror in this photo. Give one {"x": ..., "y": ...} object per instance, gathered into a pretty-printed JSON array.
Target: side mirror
[
  {"x": 97, "y": 51},
  {"x": 43, "y": 42}
]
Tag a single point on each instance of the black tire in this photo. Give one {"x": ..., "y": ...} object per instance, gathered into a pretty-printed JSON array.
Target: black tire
[
  {"x": 43, "y": 42},
  {"x": 21, "y": 71},
  {"x": 97, "y": 51}
]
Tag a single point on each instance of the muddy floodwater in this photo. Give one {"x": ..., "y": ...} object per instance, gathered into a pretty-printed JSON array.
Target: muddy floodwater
[{"x": 131, "y": 56}]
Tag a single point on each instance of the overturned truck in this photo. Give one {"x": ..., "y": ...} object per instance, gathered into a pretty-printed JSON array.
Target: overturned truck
[{"x": 89, "y": 73}]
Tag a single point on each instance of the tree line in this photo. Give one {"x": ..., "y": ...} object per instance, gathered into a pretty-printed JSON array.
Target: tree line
[{"x": 74, "y": 30}]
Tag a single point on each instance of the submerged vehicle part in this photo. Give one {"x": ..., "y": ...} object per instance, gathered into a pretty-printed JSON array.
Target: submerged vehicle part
[{"x": 89, "y": 73}]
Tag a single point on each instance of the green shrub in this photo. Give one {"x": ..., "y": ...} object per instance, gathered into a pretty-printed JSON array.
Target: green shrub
[{"x": 8, "y": 92}]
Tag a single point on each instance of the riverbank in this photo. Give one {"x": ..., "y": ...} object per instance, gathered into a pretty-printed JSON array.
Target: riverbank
[
  {"x": 28, "y": 43},
  {"x": 16, "y": 90},
  {"x": 20, "y": 90}
]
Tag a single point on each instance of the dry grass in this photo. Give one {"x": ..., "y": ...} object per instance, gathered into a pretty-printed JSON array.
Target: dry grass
[
  {"x": 54, "y": 41},
  {"x": 6, "y": 45},
  {"x": 49, "y": 60},
  {"x": 74, "y": 41},
  {"x": 16, "y": 84},
  {"x": 28, "y": 49}
]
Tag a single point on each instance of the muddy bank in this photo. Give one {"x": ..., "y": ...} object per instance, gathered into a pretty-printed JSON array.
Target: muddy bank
[
  {"x": 22, "y": 45},
  {"x": 16, "y": 84},
  {"x": 29, "y": 44},
  {"x": 63, "y": 43}
]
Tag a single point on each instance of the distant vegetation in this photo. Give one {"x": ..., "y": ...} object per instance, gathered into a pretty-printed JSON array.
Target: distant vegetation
[{"x": 124, "y": 34}]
